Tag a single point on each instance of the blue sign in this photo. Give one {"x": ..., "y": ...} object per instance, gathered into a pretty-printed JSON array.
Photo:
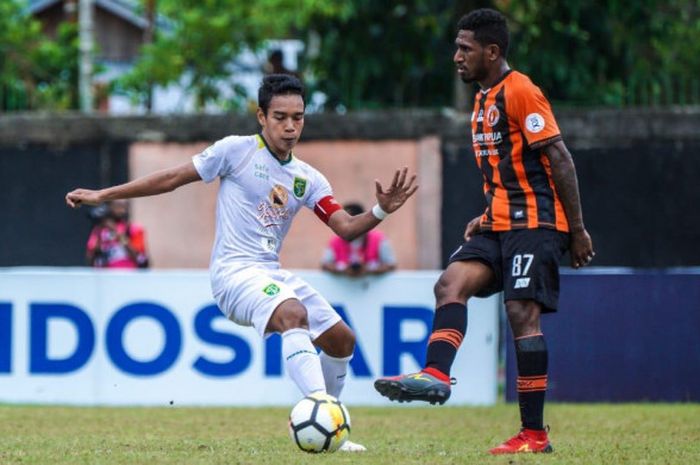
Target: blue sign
[{"x": 41, "y": 313}]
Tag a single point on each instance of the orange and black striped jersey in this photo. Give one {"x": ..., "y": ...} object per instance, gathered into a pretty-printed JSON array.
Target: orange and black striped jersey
[{"x": 511, "y": 124}]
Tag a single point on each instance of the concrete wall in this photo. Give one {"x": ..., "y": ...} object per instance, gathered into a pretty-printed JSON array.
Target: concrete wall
[
  {"x": 638, "y": 171},
  {"x": 180, "y": 225}
]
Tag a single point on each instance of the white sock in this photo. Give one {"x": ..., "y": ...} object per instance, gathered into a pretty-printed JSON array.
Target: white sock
[
  {"x": 334, "y": 372},
  {"x": 302, "y": 361}
]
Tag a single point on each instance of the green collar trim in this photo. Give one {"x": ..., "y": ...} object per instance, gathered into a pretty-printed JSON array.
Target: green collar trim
[{"x": 262, "y": 142}]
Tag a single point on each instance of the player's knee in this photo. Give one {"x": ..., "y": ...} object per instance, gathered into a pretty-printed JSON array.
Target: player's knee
[
  {"x": 446, "y": 290},
  {"x": 292, "y": 315},
  {"x": 442, "y": 288},
  {"x": 347, "y": 343},
  {"x": 342, "y": 343}
]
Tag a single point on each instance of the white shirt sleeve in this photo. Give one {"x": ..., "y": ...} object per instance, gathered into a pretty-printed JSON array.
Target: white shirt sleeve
[
  {"x": 223, "y": 158},
  {"x": 320, "y": 188}
]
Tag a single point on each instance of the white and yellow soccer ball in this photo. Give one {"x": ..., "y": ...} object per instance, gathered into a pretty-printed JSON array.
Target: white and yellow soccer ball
[{"x": 319, "y": 423}]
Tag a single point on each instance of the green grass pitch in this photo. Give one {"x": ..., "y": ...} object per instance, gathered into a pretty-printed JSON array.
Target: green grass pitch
[{"x": 581, "y": 434}]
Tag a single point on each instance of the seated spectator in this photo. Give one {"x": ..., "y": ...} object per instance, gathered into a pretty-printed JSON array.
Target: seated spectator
[
  {"x": 368, "y": 254},
  {"x": 115, "y": 242}
]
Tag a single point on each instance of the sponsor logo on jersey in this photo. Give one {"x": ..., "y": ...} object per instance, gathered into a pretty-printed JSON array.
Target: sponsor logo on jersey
[
  {"x": 299, "y": 187},
  {"x": 262, "y": 171},
  {"x": 492, "y": 115},
  {"x": 271, "y": 289},
  {"x": 273, "y": 212},
  {"x": 534, "y": 122},
  {"x": 494, "y": 138},
  {"x": 521, "y": 283},
  {"x": 278, "y": 196},
  {"x": 485, "y": 153},
  {"x": 272, "y": 215},
  {"x": 519, "y": 214}
]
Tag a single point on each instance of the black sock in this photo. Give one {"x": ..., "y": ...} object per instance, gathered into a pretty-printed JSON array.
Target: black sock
[
  {"x": 449, "y": 327},
  {"x": 531, "y": 352}
]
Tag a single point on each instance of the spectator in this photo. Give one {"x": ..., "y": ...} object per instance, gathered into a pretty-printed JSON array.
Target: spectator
[
  {"x": 115, "y": 242},
  {"x": 370, "y": 253},
  {"x": 275, "y": 64}
]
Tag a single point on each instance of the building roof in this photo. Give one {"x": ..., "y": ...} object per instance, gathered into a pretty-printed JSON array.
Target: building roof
[{"x": 128, "y": 10}]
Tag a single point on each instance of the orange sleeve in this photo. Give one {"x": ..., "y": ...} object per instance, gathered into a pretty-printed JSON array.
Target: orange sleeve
[{"x": 533, "y": 113}]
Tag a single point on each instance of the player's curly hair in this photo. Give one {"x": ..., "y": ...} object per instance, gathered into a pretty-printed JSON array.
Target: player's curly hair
[
  {"x": 278, "y": 84},
  {"x": 489, "y": 27}
]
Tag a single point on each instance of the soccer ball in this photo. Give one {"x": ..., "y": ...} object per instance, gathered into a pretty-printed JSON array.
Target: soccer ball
[{"x": 319, "y": 423}]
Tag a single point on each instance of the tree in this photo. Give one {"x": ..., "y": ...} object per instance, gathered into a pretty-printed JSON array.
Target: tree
[
  {"x": 206, "y": 37},
  {"x": 387, "y": 53},
  {"x": 612, "y": 52},
  {"x": 609, "y": 52},
  {"x": 36, "y": 72},
  {"x": 379, "y": 53}
]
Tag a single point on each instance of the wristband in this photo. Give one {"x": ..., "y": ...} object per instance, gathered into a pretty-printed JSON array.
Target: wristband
[{"x": 378, "y": 212}]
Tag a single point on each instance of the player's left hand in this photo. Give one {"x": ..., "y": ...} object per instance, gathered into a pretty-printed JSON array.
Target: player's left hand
[
  {"x": 581, "y": 249},
  {"x": 397, "y": 193}
]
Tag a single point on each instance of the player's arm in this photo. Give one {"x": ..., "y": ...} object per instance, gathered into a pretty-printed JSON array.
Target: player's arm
[
  {"x": 382, "y": 268},
  {"x": 566, "y": 183},
  {"x": 350, "y": 227},
  {"x": 159, "y": 182},
  {"x": 328, "y": 262},
  {"x": 473, "y": 228}
]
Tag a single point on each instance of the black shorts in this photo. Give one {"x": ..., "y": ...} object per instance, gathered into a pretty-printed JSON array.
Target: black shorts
[{"x": 525, "y": 263}]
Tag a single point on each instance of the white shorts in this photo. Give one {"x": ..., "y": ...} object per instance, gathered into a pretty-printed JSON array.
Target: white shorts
[{"x": 250, "y": 296}]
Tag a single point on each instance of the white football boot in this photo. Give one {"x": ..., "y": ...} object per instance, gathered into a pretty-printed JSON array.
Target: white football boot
[{"x": 349, "y": 446}]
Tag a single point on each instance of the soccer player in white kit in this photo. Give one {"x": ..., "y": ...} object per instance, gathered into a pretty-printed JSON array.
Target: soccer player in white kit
[{"x": 263, "y": 185}]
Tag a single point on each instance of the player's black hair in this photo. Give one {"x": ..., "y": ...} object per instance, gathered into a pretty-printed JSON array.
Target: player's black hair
[
  {"x": 489, "y": 27},
  {"x": 278, "y": 84},
  {"x": 354, "y": 208}
]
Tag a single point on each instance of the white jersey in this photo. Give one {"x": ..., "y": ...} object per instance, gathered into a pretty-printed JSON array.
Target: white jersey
[{"x": 258, "y": 198}]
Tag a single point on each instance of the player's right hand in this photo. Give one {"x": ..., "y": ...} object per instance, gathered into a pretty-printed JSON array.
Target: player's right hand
[
  {"x": 76, "y": 198},
  {"x": 474, "y": 227}
]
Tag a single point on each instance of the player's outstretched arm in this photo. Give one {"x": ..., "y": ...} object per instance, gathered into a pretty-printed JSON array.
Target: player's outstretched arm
[
  {"x": 389, "y": 200},
  {"x": 564, "y": 176},
  {"x": 159, "y": 182}
]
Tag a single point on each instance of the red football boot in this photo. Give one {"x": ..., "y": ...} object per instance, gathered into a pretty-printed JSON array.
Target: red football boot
[{"x": 527, "y": 440}]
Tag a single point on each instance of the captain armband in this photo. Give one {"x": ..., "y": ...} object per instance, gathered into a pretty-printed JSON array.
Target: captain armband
[{"x": 326, "y": 207}]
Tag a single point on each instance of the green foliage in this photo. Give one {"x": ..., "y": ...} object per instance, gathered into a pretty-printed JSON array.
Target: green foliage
[
  {"x": 386, "y": 53},
  {"x": 600, "y": 52},
  {"x": 610, "y": 52},
  {"x": 36, "y": 72},
  {"x": 378, "y": 53},
  {"x": 207, "y": 35}
]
